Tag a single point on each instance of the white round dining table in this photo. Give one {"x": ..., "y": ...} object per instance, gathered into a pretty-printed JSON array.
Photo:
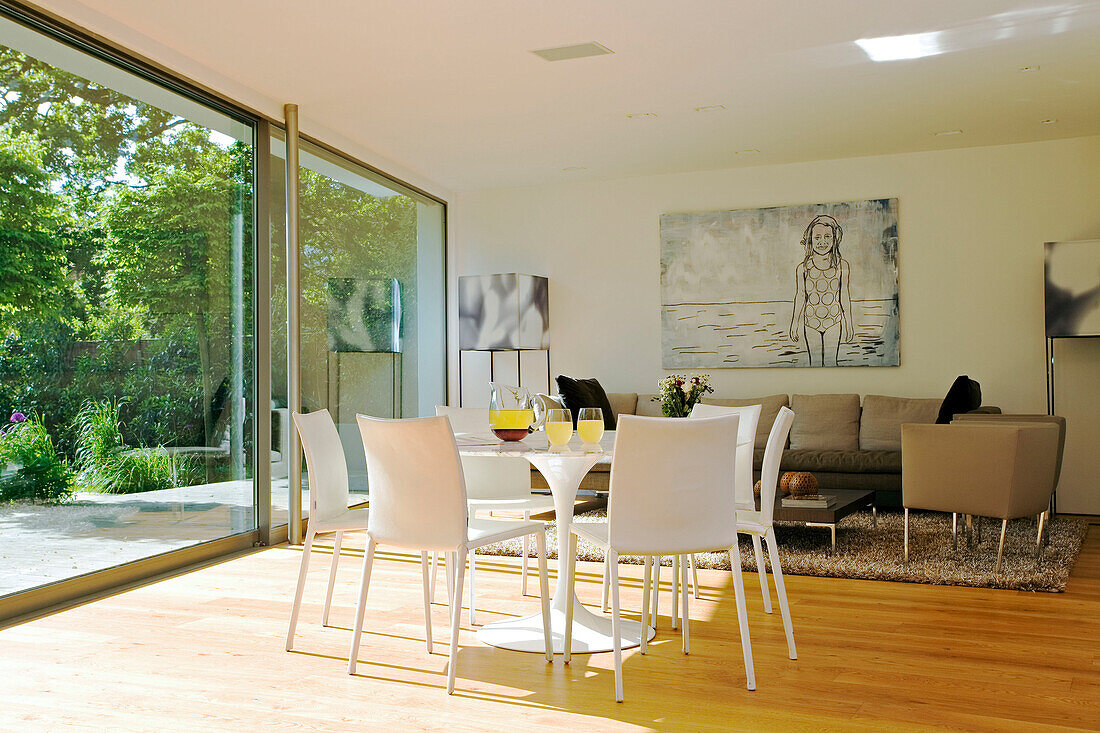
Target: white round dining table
[{"x": 563, "y": 469}]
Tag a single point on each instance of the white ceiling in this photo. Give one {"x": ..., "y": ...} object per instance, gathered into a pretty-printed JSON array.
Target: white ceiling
[{"x": 448, "y": 91}]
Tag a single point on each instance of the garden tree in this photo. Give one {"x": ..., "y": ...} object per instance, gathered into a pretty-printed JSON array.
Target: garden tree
[
  {"x": 170, "y": 249},
  {"x": 84, "y": 127},
  {"x": 32, "y": 252}
]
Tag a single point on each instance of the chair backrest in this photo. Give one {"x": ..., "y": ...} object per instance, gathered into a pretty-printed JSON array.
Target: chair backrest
[
  {"x": 670, "y": 486},
  {"x": 773, "y": 455},
  {"x": 466, "y": 419},
  {"x": 1009, "y": 418},
  {"x": 328, "y": 471},
  {"x": 417, "y": 492},
  {"x": 746, "y": 434},
  {"x": 488, "y": 477}
]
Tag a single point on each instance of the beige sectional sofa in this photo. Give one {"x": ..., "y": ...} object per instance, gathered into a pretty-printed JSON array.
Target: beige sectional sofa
[{"x": 846, "y": 444}]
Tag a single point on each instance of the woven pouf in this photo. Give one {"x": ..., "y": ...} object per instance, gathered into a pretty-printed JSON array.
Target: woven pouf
[{"x": 802, "y": 483}]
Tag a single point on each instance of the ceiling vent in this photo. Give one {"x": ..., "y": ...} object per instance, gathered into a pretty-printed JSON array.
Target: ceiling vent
[{"x": 578, "y": 51}]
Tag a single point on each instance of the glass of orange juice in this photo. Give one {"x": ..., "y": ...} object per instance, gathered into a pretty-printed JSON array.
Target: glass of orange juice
[
  {"x": 559, "y": 427},
  {"x": 590, "y": 426}
]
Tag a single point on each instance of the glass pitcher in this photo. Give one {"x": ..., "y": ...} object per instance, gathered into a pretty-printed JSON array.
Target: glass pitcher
[{"x": 513, "y": 412}]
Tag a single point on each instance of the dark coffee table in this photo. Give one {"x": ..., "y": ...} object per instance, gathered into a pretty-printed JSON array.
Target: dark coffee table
[{"x": 848, "y": 501}]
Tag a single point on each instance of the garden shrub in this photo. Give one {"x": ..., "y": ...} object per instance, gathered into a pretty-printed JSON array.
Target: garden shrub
[{"x": 30, "y": 467}]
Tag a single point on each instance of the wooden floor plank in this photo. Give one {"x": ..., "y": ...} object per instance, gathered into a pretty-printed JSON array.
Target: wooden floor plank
[{"x": 204, "y": 651}]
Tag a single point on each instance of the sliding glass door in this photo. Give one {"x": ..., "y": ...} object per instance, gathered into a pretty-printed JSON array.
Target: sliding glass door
[
  {"x": 372, "y": 299},
  {"x": 126, "y": 315}
]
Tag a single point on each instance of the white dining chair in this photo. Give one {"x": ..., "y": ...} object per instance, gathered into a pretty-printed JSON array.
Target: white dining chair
[
  {"x": 757, "y": 523},
  {"x": 746, "y": 438},
  {"x": 418, "y": 502},
  {"x": 493, "y": 484},
  {"x": 669, "y": 495},
  {"x": 328, "y": 501}
]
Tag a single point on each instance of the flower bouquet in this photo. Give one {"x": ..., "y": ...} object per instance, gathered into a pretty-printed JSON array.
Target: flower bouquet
[{"x": 679, "y": 393}]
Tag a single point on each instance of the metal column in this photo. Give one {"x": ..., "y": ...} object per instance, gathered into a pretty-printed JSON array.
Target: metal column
[{"x": 293, "y": 325}]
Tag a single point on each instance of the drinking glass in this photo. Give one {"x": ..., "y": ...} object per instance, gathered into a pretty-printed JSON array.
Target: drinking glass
[
  {"x": 590, "y": 425},
  {"x": 559, "y": 427}
]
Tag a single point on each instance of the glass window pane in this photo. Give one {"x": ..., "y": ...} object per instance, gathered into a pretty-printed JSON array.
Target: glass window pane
[{"x": 125, "y": 315}]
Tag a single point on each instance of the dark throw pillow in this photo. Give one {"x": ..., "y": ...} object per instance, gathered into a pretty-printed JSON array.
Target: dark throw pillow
[
  {"x": 965, "y": 395},
  {"x": 578, "y": 393}
]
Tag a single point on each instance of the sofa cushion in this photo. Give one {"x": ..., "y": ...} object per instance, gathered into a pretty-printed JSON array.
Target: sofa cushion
[
  {"x": 649, "y": 405},
  {"x": 825, "y": 421},
  {"x": 769, "y": 409},
  {"x": 623, "y": 403},
  {"x": 842, "y": 461},
  {"x": 881, "y": 419},
  {"x": 578, "y": 394}
]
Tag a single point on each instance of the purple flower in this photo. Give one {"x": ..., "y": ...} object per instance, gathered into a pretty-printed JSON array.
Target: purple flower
[{"x": 18, "y": 417}]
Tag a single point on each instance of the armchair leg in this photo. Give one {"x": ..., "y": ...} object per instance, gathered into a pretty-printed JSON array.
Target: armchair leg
[
  {"x": 978, "y": 529},
  {"x": 969, "y": 531},
  {"x": 1039, "y": 537},
  {"x": 954, "y": 531},
  {"x": 906, "y": 554},
  {"x": 1001, "y": 546}
]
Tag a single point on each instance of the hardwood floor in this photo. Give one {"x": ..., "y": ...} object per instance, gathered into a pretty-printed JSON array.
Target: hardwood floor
[{"x": 204, "y": 651}]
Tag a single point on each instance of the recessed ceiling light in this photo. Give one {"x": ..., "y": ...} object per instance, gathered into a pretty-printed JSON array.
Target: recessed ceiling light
[
  {"x": 711, "y": 108},
  {"x": 1048, "y": 121},
  {"x": 746, "y": 151},
  {"x": 574, "y": 168},
  {"x": 576, "y": 51},
  {"x": 944, "y": 133},
  {"x": 1027, "y": 69},
  {"x": 899, "y": 48},
  {"x": 641, "y": 116}
]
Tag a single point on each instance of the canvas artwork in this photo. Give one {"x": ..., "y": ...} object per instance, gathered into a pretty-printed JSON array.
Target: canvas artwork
[
  {"x": 504, "y": 311},
  {"x": 1072, "y": 291},
  {"x": 790, "y": 286},
  {"x": 364, "y": 315}
]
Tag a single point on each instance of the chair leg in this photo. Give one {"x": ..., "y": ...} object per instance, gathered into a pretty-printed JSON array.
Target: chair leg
[
  {"x": 762, "y": 572},
  {"x": 1001, "y": 546},
  {"x": 435, "y": 567},
  {"x": 954, "y": 531},
  {"x": 781, "y": 591},
  {"x": 361, "y": 606},
  {"x": 978, "y": 529},
  {"x": 606, "y": 583},
  {"x": 676, "y": 592},
  {"x": 570, "y": 574},
  {"x": 332, "y": 575},
  {"x": 656, "y": 588},
  {"x": 303, "y": 569},
  {"x": 427, "y": 599},
  {"x": 742, "y": 616},
  {"x": 456, "y": 616},
  {"x": 969, "y": 531},
  {"x": 616, "y": 626},
  {"x": 684, "y": 604},
  {"x": 906, "y": 541},
  {"x": 694, "y": 577},
  {"x": 449, "y": 572},
  {"x": 646, "y": 574},
  {"x": 544, "y": 594},
  {"x": 526, "y": 549},
  {"x": 1039, "y": 538},
  {"x": 473, "y": 611}
]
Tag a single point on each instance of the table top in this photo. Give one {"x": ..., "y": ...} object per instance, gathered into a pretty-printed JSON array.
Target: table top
[
  {"x": 487, "y": 444},
  {"x": 848, "y": 501}
]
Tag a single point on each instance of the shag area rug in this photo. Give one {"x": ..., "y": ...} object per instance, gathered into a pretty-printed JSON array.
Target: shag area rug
[{"x": 867, "y": 552}]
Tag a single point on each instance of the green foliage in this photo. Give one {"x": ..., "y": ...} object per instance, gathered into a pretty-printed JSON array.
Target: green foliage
[
  {"x": 30, "y": 467},
  {"x": 108, "y": 466}
]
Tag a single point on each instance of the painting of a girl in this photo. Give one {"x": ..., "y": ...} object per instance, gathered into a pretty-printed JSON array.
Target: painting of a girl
[{"x": 822, "y": 314}]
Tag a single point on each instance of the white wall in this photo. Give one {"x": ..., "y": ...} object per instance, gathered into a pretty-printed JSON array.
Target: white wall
[{"x": 971, "y": 226}]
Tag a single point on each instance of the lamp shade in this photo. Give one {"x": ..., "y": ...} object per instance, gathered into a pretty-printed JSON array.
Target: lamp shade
[
  {"x": 1072, "y": 288},
  {"x": 505, "y": 311}
]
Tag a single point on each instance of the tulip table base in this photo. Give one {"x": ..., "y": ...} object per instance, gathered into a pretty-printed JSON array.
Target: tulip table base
[
  {"x": 563, "y": 471},
  {"x": 591, "y": 633}
]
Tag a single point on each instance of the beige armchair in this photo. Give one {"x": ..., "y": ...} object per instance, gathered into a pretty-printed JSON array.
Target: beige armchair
[{"x": 995, "y": 469}]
